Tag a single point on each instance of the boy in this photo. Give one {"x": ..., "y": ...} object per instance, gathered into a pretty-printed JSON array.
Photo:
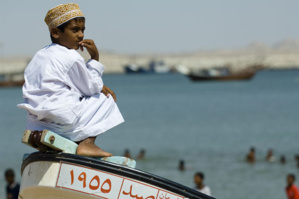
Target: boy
[
  {"x": 291, "y": 189},
  {"x": 12, "y": 187},
  {"x": 200, "y": 186},
  {"x": 63, "y": 93}
]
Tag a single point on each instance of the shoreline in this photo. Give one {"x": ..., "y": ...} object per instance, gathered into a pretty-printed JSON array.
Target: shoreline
[{"x": 237, "y": 59}]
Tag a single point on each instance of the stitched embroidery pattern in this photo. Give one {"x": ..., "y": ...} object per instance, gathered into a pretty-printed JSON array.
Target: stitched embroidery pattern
[{"x": 62, "y": 13}]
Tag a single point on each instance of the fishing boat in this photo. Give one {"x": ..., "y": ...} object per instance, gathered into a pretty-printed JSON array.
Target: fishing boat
[
  {"x": 134, "y": 69},
  {"x": 56, "y": 172},
  {"x": 154, "y": 67},
  {"x": 12, "y": 83},
  {"x": 12, "y": 80},
  {"x": 224, "y": 74}
]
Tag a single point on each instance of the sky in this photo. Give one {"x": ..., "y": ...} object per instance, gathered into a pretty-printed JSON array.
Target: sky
[{"x": 154, "y": 26}]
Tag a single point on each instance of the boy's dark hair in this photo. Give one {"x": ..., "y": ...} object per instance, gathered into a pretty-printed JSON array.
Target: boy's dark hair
[
  {"x": 127, "y": 151},
  {"x": 292, "y": 176},
  {"x": 63, "y": 26},
  {"x": 9, "y": 172},
  {"x": 200, "y": 174}
]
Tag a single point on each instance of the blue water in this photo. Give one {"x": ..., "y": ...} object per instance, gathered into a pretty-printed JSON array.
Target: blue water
[{"x": 210, "y": 125}]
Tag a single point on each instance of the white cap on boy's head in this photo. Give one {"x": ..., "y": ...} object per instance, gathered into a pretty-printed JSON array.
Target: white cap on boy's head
[{"x": 62, "y": 13}]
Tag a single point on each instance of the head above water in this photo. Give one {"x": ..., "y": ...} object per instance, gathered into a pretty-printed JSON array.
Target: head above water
[
  {"x": 142, "y": 151},
  {"x": 290, "y": 179},
  {"x": 66, "y": 24},
  {"x": 199, "y": 178},
  {"x": 9, "y": 176}
]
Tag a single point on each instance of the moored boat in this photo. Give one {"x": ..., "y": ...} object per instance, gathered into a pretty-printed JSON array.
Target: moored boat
[
  {"x": 12, "y": 83},
  {"x": 224, "y": 74},
  {"x": 154, "y": 67},
  {"x": 237, "y": 76},
  {"x": 12, "y": 80}
]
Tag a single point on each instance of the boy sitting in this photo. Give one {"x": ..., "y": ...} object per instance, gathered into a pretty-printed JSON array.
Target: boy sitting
[{"x": 64, "y": 94}]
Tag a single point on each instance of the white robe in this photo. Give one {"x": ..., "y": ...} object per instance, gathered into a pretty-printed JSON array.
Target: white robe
[
  {"x": 63, "y": 94},
  {"x": 205, "y": 190}
]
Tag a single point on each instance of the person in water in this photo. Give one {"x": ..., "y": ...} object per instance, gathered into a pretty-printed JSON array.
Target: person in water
[
  {"x": 141, "y": 154},
  {"x": 291, "y": 189},
  {"x": 181, "y": 166},
  {"x": 283, "y": 159},
  {"x": 199, "y": 184},
  {"x": 64, "y": 94},
  {"x": 12, "y": 187},
  {"x": 250, "y": 157},
  {"x": 270, "y": 156},
  {"x": 297, "y": 160},
  {"x": 127, "y": 153}
]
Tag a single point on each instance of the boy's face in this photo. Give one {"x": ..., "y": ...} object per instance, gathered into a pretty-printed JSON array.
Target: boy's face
[
  {"x": 197, "y": 179},
  {"x": 290, "y": 180},
  {"x": 10, "y": 179},
  {"x": 72, "y": 35}
]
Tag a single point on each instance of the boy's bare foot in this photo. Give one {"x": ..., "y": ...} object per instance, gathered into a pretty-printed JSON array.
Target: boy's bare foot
[{"x": 88, "y": 148}]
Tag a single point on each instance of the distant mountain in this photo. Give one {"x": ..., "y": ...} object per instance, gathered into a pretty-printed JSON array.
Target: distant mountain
[
  {"x": 287, "y": 45},
  {"x": 257, "y": 46}
]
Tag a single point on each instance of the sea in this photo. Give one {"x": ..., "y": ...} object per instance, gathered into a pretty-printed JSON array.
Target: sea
[{"x": 209, "y": 125}]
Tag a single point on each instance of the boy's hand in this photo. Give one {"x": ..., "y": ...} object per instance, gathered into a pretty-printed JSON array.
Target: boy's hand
[
  {"x": 107, "y": 91},
  {"x": 90, "y": 47}
]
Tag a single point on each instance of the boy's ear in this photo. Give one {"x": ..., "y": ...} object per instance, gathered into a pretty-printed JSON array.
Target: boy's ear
[{"x": 55, "y": 33}]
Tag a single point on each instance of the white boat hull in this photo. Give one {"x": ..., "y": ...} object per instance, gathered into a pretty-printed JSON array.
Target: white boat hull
[{"x": 68, "y": 176}]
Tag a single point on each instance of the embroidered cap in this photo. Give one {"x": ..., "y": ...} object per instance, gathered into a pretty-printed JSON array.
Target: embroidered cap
[{"x": 62, "y": 13}]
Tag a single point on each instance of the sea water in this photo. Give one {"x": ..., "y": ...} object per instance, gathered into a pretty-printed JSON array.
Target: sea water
[{"x": 209, "y": 125}]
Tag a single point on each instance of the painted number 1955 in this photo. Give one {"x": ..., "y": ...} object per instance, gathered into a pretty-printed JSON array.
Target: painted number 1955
[{"x": 93, "y": 184}]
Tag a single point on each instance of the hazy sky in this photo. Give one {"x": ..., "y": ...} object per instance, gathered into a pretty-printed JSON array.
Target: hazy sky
[{"x": 155, "y": 26}]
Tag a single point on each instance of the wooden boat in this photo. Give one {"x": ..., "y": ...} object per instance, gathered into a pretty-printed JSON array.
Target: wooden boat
[
  {"x": 246, "y": 74},
  {"x": 232, "y": 77},
  {"x": 60, "y": 175},
  {"x": 12, "y": 80},
  {"x": 12, "y": 83}
]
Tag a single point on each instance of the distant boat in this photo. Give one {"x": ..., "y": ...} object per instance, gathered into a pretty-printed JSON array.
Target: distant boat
[
  {"x": 224, "y": 74},
  {"x": 134, "y": 69},
  {"x": 12, "y": 83},
  {"x": 9, "y": 81},
  {"x": 154, "y": 68}
]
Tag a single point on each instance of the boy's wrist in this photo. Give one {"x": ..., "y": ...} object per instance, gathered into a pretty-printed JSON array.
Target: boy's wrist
[{"x": 95, "y": 57}]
